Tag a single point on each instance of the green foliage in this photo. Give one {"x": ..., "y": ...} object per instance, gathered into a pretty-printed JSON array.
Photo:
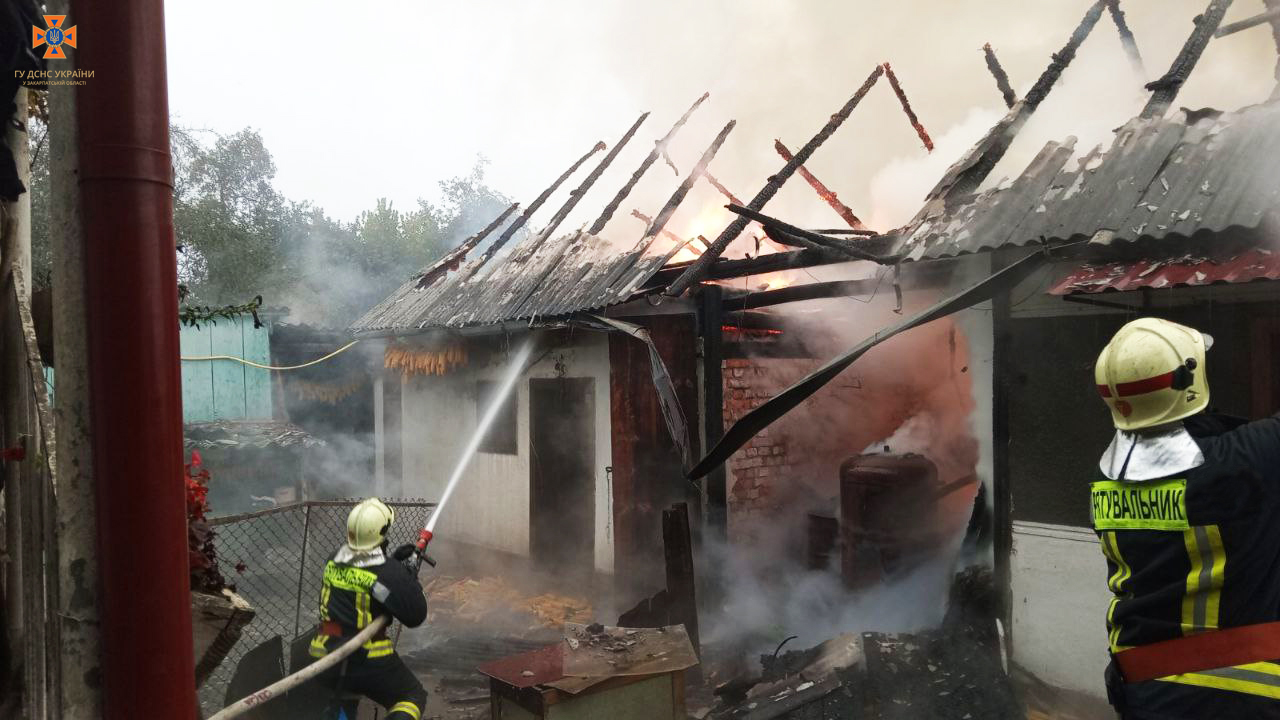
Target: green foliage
[{"x": 238, "y": 237}]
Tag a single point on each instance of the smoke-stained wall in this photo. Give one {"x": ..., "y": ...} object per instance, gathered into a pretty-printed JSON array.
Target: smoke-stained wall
[
  {"x": 491, "y": 506},
  {"x": 926, "y": 391}
]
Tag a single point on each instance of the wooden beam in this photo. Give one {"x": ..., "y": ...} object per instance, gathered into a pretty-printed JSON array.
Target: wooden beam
[
  {"x": 811, "y": 238},
  {"x": 702, "y": 265},
  {"x": 673, "y": 203},
  {"x": 1256, "y": 20},
  {"x": 1002, "y": 77},
  {"x": 710, "y": 331},
  {"x": 576, "y": 195},
  {"x": 529, "y": 211},
  {"x": 819, "y": 187},
  {"x": 1127, "y": 40},
  {"x": 1165, "y": 90},
  {"x": 799, "y": 293},
  {"x": 681, "y": 585},
  {"x": 658, "y": 149}
]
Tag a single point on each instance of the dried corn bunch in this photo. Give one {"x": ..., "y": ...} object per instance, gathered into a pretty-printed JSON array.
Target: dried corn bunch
[
  {"x": 419, "y": 361},
  {"x": 328, "y": 393}
]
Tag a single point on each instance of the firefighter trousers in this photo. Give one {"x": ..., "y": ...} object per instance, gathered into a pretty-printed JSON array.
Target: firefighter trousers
[{"x": 386, "y": 681}]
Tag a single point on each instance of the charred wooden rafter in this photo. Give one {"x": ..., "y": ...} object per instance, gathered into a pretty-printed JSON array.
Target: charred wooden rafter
[
  {"x": 658, "y": 148},
  {"x": 739, "y": 268},
  {"x": 965, "y": 176},
  {"x": 701, "y": 266},
  {"x": 450, "y": 262},
  {"x": 1165, "y": 90},
  {"x": 906, "y": 108},
  {"x": 799, "y": 293},
  {"x": 1256, "y": 20},
  {"x": 806, "y": 238},
  {"x": 648, "y": 221},
  {"x": 533, "y": 207},
  {"x": 1127, "y": 40},
  {"x": 673, "y": 203},
  {"x": 819, "y": 187},
  {"x": 1002, "y": 77},
  {"x": 720, "y": 187},
  {"x": 576, "y": 195}
]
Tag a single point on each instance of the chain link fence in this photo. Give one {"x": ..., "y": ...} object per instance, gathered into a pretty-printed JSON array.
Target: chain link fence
[{"x": 276, "y": 560}]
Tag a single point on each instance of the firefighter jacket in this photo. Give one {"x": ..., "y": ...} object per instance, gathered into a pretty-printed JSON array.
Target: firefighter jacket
[
  {"x": 354, "y": 593},
  {"x": 1196, "y": 552}
]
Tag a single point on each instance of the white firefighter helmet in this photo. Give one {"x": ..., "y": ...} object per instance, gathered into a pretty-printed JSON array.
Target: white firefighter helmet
[
  {"x": 1152, "y": 373},
  {"x": 368, "y": 523}
]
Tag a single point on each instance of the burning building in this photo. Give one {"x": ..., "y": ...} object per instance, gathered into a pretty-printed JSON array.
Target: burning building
[{"x": 670, "y": 370}]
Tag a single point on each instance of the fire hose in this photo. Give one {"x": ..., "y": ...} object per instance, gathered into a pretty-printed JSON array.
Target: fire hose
[
  {"x": 284, "y": 685},
  {"x": 343, "y": 651}
]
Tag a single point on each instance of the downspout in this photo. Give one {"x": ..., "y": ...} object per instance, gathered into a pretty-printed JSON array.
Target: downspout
[{"x": 131, "y": 303}]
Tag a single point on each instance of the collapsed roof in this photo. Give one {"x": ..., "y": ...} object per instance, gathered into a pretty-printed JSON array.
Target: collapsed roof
[{"x": 1196, "y": 173}]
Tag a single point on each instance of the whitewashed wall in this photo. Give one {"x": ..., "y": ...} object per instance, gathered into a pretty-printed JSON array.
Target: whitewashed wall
[
  {"x": 490, "y": 508},
  {"x": 1060, "y": 602}
]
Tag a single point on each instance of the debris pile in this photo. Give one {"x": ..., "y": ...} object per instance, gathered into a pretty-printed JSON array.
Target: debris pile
[{"x": 493, "y": 601}]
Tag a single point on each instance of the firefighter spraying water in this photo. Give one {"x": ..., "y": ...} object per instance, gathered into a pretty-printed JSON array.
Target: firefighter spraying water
[{"x": 365, "y": 588}]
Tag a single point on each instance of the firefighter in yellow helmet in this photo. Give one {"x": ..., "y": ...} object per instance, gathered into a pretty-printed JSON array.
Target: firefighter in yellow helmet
[
  {"x": 1189, "y": 520},
  {"x": 361, "y": 583}
]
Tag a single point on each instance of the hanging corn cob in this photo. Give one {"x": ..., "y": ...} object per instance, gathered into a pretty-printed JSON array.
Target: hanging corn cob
[{"x": 422, "y": 361}]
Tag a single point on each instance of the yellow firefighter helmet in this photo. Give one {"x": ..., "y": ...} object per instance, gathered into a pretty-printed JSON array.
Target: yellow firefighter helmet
[
  {"x": 1152, "y": 373},
  {"x": 368, "y": 523}
]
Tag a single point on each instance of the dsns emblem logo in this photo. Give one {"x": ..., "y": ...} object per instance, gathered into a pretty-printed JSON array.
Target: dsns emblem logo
[{"x": 55, "y": 38}]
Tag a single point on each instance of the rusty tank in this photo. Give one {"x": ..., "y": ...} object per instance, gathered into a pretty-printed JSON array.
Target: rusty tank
[{"x": 889, "y": 515}]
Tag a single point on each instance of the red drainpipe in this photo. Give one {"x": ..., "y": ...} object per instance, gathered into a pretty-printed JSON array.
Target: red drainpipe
[{"x": 136, "y": 401}]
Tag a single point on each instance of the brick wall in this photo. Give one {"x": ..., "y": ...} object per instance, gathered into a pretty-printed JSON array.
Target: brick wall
[{"x": 759, "y": 469}]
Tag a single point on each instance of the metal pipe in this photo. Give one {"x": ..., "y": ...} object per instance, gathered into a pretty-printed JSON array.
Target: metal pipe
[
  {"x": 131, "y": 303},
  {"x": 302, "y": 570}
]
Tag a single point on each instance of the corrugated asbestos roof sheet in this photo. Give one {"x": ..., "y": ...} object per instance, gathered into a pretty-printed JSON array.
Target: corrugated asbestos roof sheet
[
  {"x": 1161, "y": 178},
  {"x": 1190, "y": 270},
  {"x": 573, "y": 273}
]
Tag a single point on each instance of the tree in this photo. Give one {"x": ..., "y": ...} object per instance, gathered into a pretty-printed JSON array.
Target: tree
[
  {"x": 239, "y": 238},
  {"x": 229, "y": 219}
]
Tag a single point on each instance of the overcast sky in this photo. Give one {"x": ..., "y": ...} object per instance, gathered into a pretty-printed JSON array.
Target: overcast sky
[{"x": 358, "y": 102}]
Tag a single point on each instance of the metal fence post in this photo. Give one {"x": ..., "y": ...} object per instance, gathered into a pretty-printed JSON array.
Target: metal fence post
[{"x": 302, "y": 570}]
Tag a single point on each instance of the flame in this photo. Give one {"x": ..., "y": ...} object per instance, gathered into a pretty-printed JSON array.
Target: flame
[
  {"x": 709, "y": 221},
  {"x": 684, "y": 255},
  {"x": 777, "y": 283}
]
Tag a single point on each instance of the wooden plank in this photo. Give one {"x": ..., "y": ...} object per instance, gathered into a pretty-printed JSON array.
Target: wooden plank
[
  {"x": 228, "y": 376},
  {"x": 677, "y": 545},
  {"x": 257, "y": 382},
  {"x": 197, "y": 375},
  {"x": 715, "y": 488}
]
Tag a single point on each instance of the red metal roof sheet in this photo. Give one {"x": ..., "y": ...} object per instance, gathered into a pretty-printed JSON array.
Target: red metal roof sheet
[{"x": 1187, "y": 270}]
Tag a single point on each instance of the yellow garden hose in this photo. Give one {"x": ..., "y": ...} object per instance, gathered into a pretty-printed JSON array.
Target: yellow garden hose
[{"x": 251, "y": 363}]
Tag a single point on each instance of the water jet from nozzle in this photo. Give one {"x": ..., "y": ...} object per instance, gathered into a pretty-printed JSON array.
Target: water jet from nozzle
[{"x": 486, "y": 420}]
